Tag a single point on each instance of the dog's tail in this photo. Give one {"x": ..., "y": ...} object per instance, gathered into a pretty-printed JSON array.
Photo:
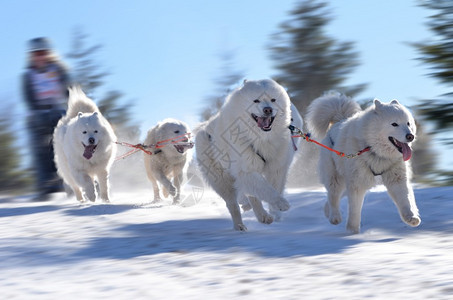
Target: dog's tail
[
  {"x": 327, "y": 110},
  {"x": 79, "y": 102}
]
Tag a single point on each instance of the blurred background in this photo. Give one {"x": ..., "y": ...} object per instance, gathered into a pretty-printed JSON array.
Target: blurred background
[{"x": 144, "y": 61}]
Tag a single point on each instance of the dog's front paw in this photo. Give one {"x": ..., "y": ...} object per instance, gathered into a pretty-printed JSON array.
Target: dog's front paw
[
  {"x": 413, "y": 221},
  {"x": 90, "y": 196},
  {"x": 265, "y": 219},
  {"x": 240, "y": 227},
  {"x": 281, "y": 204},
  {"x": 172, "y": 191},
  {"x": 333, "y": 215},
  {"x": 176, "y": 200},
  {"x": 354, "y": 229},
  {"x": 246, "y": 207}
]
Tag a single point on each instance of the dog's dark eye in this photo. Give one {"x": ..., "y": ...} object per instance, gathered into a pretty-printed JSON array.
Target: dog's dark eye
[
  {"x": 256, "y": 101},
  {"x": 84, "y": 132},
  {"x": 95, "y": 131},
  {"x": 408, "y": 124},
  {"x": 272, "y": 100},
  {"x": 177, "y": 131},
  {"x": 395, "y": 124}
]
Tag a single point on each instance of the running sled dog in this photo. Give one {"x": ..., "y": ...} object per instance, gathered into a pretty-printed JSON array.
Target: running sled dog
[
  {"x": 245, "y": 150},
  {"x": 165, "y": 165},
  {"x": 388, "y": 129},
  {"x": 85, "y": 149}
]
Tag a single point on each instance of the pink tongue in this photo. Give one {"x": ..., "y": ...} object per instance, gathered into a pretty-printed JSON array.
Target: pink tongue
[
  {"x": 407, "y": 152},
  {"x": 89, "y": 150},
  {"x": 263, "y": 122}
]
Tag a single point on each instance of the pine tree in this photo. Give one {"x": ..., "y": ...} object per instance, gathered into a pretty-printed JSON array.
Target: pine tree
[
  {"x": 87, "y": 73},
  {"x": 309, "y": 61},
  {"x": 224, "y": 85},
  {"x": 438, "y": 53},
  {"x": 12, "y": 176}
]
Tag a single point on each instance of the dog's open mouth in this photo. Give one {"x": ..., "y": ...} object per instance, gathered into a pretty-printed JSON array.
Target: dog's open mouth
[
  {"x": 402, "y": 147},
  {"x": 89, "y": 150},
  {"x": 181, "y": 148},
  {"x": 265, "y": 123}
]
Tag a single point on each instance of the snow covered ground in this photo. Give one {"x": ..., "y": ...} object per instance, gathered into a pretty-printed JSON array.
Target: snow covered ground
[{"x": 131, "y": 249}]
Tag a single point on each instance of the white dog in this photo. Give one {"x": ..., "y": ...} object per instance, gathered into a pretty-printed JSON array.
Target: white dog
[
  {"x": 167, "y": 160},
  {"x": 387, "y": 130},
  {"x": 245, "y": 150},
  {"x": 84, "y": 147}
]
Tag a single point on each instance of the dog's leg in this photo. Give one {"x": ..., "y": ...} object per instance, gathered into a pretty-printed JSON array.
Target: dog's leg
[
  {"x": 178, "y": 177},
  {"x": 235, "y": 212},
  {"x": 335, "y": 186},
  {"x": 223, "y": 185},
  {"x": 403, "y": 196},
  {"x": 103, "y": 180},
  {"x": 277, "y": 178},
  {"x": 86, "y": 183},
  {"x": 335, "y": 189},
  {"x": 244, "y": 203},
  {"x": 226, "y": 190},
  {"x": 355, "y": 200},
  {"x": 260, "y": 213},
  {"x": 162, "y": 179},
  {"x": 252, "y": 183},
  {"x": 78, "y": 193},
  {"x": 155, "y": 190}
]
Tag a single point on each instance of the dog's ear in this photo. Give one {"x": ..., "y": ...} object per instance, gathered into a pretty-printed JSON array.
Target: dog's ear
[
  {"x": 95, "y": 114},
  {"x": 377, "y": 105},
  {"x": 394, "y": 102},
  {"x": 79, "y": 114}
]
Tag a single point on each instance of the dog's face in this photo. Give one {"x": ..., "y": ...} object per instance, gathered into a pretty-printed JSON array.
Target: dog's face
[
  {"x": 175, "y": 136},
  {"x": 265, "y": 103},
  {"x": 89, "y": 130},
  {"x": 397, "y": 128}
]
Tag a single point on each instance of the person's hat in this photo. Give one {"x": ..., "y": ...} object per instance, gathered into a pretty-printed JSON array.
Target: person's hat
[{"x": 39, "y": 44}]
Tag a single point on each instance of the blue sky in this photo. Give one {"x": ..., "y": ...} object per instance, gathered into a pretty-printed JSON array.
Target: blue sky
[{"x": 164, "y": 55}]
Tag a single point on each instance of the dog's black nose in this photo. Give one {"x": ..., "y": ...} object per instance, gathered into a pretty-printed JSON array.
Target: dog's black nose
[
  {"x": 410, "y": 137},
  {"x": 91, "y": 140},
  {"x": 267, "y": 110}
]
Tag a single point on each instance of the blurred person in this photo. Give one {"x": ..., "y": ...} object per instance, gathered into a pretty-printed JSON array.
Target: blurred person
[{"x": 45, "y": 84}]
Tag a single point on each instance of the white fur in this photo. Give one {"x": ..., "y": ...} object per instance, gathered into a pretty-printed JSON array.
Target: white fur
[
  {"x": 83, "y": 122},
  {"x": 242, "y": 162},
  {"x": 298, "y": 122},
  {"x": 165, "y": 166},
  {"x": 351, "y": 130}
]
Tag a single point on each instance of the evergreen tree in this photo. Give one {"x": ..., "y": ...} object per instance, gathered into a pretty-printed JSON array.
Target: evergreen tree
[
  {"x": 224, "y": 85},
  {"x": 12, "y": 176},
  {"x": 309, "y": 61},
  {"x": 87, "y": 73},
  {"x": 438, "y": 53}
]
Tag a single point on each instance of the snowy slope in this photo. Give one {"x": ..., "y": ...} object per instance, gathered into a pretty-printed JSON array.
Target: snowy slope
[{"x": 131, "y": 249}]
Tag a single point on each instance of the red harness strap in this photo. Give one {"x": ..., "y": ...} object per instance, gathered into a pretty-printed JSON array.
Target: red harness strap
[{"x": 306, "y": 137}]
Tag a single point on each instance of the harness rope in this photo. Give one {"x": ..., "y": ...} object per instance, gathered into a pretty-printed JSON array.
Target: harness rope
[
  {"x": 178, "y": 140},
  {"x": 306, "y": 137}
]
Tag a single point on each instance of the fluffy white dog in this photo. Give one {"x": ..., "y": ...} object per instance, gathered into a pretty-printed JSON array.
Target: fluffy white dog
[
  {"x": 245, "y": 150},
  {"x": 166, "y": 164},
  {"x": 388, "y": 130},
  {"x": 84, "y": 148}
]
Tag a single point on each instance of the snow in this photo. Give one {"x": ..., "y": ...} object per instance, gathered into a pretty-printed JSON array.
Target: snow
[{"x": 131, "y": 249}]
